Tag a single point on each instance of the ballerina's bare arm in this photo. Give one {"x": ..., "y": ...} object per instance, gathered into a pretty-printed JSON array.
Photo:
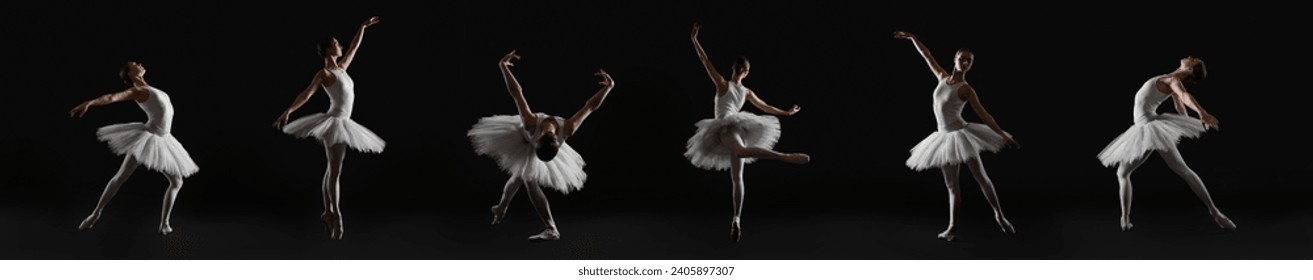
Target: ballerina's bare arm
[
  {"x": 134, "y": 94},
  {"x": 301, "y": 98},
  {"x": 593, "y": 104},
  {"x": 1180, "y": 107},
  {"x": 1183, "y": 97},
  {"x": 706, "y": 62},
  {"x": 969, "y": 94},
  {"x": 925, "y": 53},
  {"x": 761, "y": 104},
  {"x": 513, "y": 86},
  {"x": 350, "y": 53}
]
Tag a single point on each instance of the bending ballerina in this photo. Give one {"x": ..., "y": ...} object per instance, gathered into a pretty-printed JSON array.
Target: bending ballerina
[
  {"x": 149, "y": 144},
  {"x": 531, "y": 148},
  {"x": 958, "y": 141},
  {"x": 735, "y": 138},
  {"x": 334, "y": 129},
  {"x": 1161, "y": 132}
]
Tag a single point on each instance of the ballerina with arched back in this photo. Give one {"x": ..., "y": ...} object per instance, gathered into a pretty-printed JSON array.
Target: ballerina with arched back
[
  {"x": 531, "y": 148},
  {"x": 150, "y": 144},
  {"x": 1154, "y": 132}
]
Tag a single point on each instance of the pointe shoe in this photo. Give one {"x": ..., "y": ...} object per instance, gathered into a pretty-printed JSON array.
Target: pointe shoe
[
  {"x": 1224, "y": 222},
  {"x": 89, "y": 222},
  {"x": 947, "y": 235},
  {"x": 165, "y": 229},
  {"x": 340, "y": 229},
  {"x": 1005, "y": 224},
  {"x": 336, "y": 233},
  {"x": 497, "y": 214},
  {"x": 1126, "y": 224},
  {"x": 327, "y": 217},
  {"x": 735, "y": 232},
  {"x": 334, "y": 223},
  {"x": 797, "y": 158},
  {"x": 547, "y": 235}
]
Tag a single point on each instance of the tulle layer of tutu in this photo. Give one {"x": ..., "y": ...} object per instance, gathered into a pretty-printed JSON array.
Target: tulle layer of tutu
[
  {"x": 332, "y": 130},
  {"x": 159, "y": 152},
  {"x": 707, "y": 150},
  {"x": 1160, "y": 133},
  {"x": 943, "y": 148},
  {"x": 502, "y": 138}
]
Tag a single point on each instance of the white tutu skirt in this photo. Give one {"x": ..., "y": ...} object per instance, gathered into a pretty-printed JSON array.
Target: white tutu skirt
[
  {"x": 502, "y": 137},
  {"x": 332, "y": 130},
  {"x": 706, "y": 149},
  {"x": 157, "y": 152},
  {"x": 1160, "y": 133},
  {"x": 954, "y": 147}
]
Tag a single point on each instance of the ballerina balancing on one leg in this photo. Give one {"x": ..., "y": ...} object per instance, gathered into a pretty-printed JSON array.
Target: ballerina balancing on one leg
[
  {"x": 149, "y": 144},
  {"x": 531, "y": 148},
  {"x": 334, "y": 128},
  {"x": 735, "y": 138},
  {"x": 1161, "y": 132},
  {"x": 958, "y": 141}
]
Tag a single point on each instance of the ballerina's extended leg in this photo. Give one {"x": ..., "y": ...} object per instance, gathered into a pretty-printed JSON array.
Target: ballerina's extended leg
[
  {"x": 1177, "y": 164},
  {"x": 736, "y": 145},
  {"x": 125, "y": 171},
  {"x": 987, "y": 187}
]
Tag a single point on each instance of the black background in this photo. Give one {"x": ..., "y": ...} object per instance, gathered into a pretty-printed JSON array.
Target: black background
[{"x": 1059, "y": 78}]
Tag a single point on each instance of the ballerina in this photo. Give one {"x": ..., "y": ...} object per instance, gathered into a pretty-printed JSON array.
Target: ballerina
[
  {"x": 1161, "y": 133},
  {"x": 335, "y": 129},
  {"x": 531, "y": 148},
  {"x": 957, "y": 141},
  {"x": 150, "y": 144},
  {"x": 735, "y": 138}
]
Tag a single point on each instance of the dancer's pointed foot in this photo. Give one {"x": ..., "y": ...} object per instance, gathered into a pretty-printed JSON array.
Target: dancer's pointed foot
[
  {"x": 798, "y": 158},
  {"x": 497, "y": 213},
  {"x": 334, "y": 223},
  {"x": 165, "y": 229},
  {"x": 548, "y": 234},
  {"x": 947, "y": 235},
  {"x": 1223, "y": 221},
  {"x": 735, "y": 231},
  {"x": 1126, "y": 223},
  {"x": 327, "y": 217},
  {"x": 339, "y": 229},
  {"x": 336, "y": 232},
  {"x": 1004, "y": 224},
  {"x": 89, "y": 222}
]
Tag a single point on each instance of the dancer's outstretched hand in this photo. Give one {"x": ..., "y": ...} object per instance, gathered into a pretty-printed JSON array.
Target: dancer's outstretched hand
[
  {"x": 282, "y": 120},
  {"x": 606, "y": 78},
  {"x": 1210, "y": 121},
  {"x": 370, "y": 22},
  {"x": 793, "y": 110},
  {"x": 80, "y": 110},
  {"x": 506, "y": 60},
  {"x": 904, "y": 35},
  {"x": 1007, "y": 137}
]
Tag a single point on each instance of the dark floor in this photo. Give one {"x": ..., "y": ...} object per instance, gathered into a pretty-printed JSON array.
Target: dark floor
[{"x": 1070, "y": 234}]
